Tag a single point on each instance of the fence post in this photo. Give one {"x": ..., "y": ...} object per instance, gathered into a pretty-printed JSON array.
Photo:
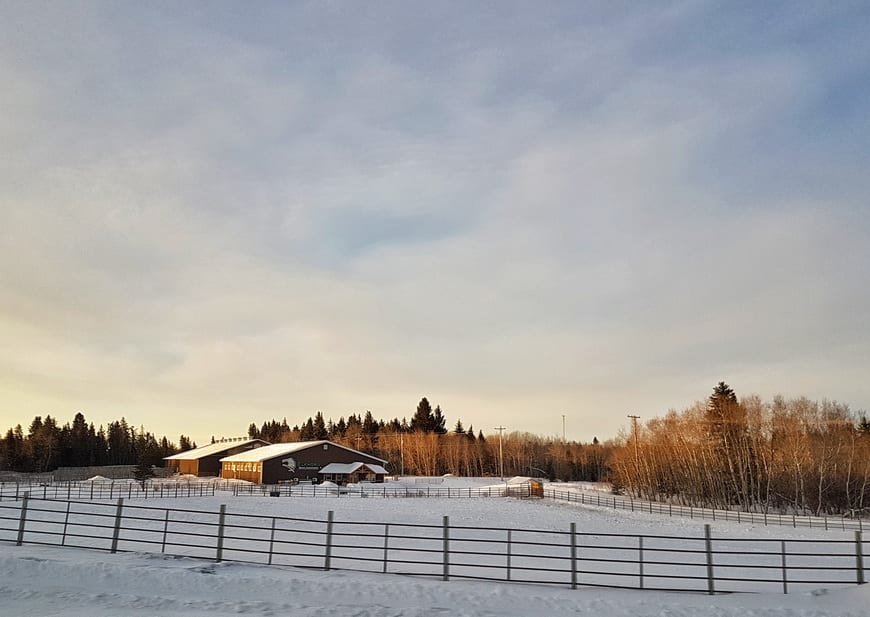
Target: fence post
[
  {"x": 573, "y": 555},
  {"x": 446, "y": 576},
  {"x": 23, "y": 518},
  {"x": 271, "y": 540},
  {"x": 116, "y": 534},
  {"x": 508, "y": 554},
  {"x": 165, "y": 530},
  {"x": 65, "y": 522},
  {"x": 859, "y": 558},
  {"x": 640, "y": 558},
  {"x": 220, "y": 536},
  {"x": 708, "y": 543},
  {"x": 784, "y": 570},
  {"x": 386, "y": 545},
  {"x": 328, "y": 557}
]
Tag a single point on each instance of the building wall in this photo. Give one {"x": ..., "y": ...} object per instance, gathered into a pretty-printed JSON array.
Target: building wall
[
  {"x": 210, "y": 465},
  {"x": 310, "y": 461},
  {"x": 242, "y": 471},
  {"x": 361, "y": 475},
  {"x": 188, "y": 467}
]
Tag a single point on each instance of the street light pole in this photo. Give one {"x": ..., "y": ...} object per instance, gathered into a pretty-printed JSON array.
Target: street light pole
[
  {"x": 500, "y": 429},
  {"x": 563, "y": 428}
]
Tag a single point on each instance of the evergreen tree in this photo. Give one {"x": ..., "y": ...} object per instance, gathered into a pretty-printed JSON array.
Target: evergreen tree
[
  {"x": 439, "y": 422},
  {"x": 423, "y": 420},
  {"x": 184, "y": 443},
  {"x": 319, "y": 427},
  {"x": 458, "y": 429},
  {"x": 306, "y": 433},
  {"x": 369, "y": 426}
]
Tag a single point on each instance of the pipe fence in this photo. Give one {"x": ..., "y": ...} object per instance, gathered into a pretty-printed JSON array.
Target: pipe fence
[
  {"x": 107, "y": 490},
  {"x": 619, "y": 502},
  {"x": 567, "y": 557},
  {"x": 379, "y": 490}
]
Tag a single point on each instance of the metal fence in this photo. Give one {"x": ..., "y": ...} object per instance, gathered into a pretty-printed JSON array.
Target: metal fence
[
  {"x": 379, "y": 490},
  {"x": 107, "y": 490},
  {"x": 618, "y": 502},
  {"x": 568, "y": 557}
]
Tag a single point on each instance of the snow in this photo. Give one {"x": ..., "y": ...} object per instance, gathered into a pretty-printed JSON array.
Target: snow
[{"x": 49, "y": 581}]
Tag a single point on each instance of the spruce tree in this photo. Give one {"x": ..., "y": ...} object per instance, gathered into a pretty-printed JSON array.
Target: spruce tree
[{"x": 423, "y": 419}]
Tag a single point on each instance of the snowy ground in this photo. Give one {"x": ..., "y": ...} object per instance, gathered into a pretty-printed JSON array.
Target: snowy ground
[{"x": 48, "y": 581}]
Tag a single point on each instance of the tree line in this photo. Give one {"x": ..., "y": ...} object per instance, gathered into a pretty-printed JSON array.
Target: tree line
[
  {"x": 786, "y": 455},
  {"x": 792, "y": 455},
  {"x": 424, "y": 446},
  {"x": 46, "y": 445}
]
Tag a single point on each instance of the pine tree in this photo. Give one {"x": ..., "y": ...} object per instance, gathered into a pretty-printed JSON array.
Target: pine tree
[
  {"x": 439, "y": 422},
  {"x": 423, "y": 419},
  {"x": 458, "y": 429},
  {"x": 320, "y": 431},
  {"x": 306, "y": 433}
]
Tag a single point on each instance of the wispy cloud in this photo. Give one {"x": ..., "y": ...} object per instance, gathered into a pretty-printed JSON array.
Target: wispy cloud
[{"x": 518, "y": 212}]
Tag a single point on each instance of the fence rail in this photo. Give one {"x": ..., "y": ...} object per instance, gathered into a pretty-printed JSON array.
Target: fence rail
[
  {"x": 379, "y": 490},
  {"x": 617, "y": 502},
  {"x": 568, "y": 557},
  {"x": 108, "y": 490}
]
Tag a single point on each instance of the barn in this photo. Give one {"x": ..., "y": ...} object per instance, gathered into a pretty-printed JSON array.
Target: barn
[
  {"x": 287, "y": 462},
  {"x": 205, "y": 461}
]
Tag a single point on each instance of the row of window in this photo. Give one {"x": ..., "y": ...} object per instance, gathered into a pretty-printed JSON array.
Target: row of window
[{"x": 242, "y": 466}]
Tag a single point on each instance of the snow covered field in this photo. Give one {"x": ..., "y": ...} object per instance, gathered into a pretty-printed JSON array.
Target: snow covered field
[{"x": 40, "y": 580}]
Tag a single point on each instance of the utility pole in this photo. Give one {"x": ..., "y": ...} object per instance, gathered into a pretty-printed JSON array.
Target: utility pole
[
  {"x": 634, "y": 420},
  {"x": 563, "y": 429},
  {"x": 500, "y": 430}
]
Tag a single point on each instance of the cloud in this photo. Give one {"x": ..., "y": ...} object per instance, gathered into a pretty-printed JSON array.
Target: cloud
[{"x": 213, "y": 217}]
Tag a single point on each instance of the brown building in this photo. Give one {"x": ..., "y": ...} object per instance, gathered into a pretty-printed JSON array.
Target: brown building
[
  {"x": 286, "y": 462},
  {"x": 205, "y": 461}
]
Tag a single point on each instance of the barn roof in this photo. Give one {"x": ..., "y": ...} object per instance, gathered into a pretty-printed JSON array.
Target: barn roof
[
  {"x": 348, "y": 468},
  {"x": 212, "y": 448},
  {"x": 283, "y": 449}
]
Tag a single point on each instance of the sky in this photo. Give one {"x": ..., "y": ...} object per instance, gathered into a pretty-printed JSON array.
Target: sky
[{"x": 216, "y": 213}]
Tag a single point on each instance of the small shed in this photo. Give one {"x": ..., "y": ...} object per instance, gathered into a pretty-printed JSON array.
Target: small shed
[
  {"x": 349, "y": 473},
  {"x": 289, "y": 462},
  {"x": 205, "y": 460}
]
